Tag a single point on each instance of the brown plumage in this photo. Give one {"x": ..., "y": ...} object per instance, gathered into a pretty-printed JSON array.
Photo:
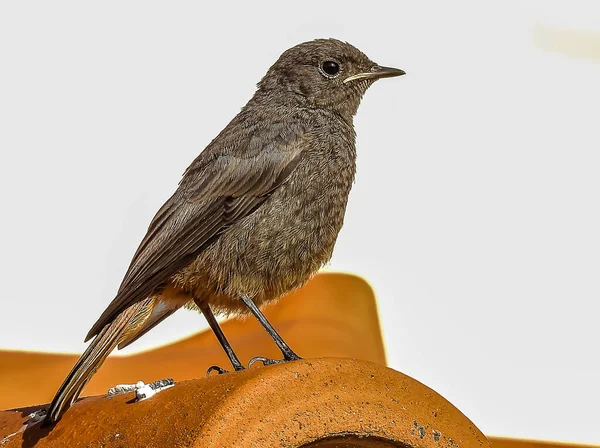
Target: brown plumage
[{"x": 256, "y": 214}]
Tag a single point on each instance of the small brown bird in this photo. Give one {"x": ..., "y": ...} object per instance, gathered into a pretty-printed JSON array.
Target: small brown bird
[{"x": 255, "y": 215}]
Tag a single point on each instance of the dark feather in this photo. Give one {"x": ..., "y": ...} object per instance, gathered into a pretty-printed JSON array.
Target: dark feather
[
  {"x": 90, "y": 361},
  {"x": 215, "y": 192}
]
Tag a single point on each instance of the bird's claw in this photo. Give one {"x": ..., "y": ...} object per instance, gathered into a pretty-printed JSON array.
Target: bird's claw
[
  {"x": 265, "y": 361},
  {"x": 270, "y": 362},
  {"x": 218, "y": 369}
]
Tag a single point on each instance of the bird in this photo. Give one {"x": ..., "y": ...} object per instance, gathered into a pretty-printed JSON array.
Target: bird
[{"x": 254, "y": 216}]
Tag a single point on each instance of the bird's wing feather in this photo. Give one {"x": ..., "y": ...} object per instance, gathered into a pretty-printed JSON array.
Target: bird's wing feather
[{"x": 217, "y": 190}]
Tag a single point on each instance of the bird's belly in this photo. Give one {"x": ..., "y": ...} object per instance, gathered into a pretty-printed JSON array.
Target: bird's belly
[{"x": 272, "y": 251}]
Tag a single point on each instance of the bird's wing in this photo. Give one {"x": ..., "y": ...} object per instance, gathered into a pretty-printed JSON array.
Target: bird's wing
[{"x": 218, "y": 189}]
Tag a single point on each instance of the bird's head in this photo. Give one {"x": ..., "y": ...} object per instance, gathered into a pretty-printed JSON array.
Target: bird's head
[{"x": 324, "y": 73}]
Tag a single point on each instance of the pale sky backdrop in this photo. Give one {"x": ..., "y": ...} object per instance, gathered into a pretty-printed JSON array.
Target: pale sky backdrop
[{"x": 475, "y": 214}]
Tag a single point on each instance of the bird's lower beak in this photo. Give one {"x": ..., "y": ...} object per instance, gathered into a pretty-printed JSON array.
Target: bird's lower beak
[{"x": 376, "y": 72}]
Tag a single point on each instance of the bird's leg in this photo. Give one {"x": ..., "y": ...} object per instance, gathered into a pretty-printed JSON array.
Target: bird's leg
[
  {"x": 288, "y": 353},
  {"x": 214, "y": 325}
]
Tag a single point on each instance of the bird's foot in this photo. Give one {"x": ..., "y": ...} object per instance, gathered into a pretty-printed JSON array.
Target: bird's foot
[
  {"x": 221, "y": 370},
  {"x": 270, "y": 362},
  {"x": 218, "y": 369}
]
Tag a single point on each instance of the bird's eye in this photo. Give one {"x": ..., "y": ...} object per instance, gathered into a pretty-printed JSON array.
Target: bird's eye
[{"x": 330, "y": 68}]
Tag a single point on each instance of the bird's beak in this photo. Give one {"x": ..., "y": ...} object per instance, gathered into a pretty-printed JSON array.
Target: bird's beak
[{"x": 376, "y": 72}]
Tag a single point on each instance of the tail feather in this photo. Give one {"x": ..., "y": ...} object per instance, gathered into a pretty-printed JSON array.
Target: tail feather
[
  {"x": 104, "y": 343},
  {"x": 161, "y": 308},
  {"x": 152, "y": 322}
]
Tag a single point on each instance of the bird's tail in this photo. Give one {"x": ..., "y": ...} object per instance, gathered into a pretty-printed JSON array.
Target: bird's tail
[{"x": 91, "y": 360}]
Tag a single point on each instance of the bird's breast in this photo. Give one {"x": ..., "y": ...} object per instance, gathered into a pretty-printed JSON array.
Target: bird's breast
[{"x": 287, "y": 239}]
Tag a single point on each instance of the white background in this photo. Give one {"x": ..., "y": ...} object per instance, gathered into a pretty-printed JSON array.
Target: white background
[{"x": 475, "y": 214}]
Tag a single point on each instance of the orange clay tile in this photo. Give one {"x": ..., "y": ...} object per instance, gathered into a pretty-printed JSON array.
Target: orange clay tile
[{"x": 286, "y": 405}]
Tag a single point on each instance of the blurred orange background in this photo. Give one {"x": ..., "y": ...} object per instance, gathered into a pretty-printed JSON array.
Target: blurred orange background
[{"x": 334, "y": 315}]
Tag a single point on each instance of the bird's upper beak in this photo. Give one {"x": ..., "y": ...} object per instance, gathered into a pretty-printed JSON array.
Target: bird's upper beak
[{"x": 376, "y": 72}]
